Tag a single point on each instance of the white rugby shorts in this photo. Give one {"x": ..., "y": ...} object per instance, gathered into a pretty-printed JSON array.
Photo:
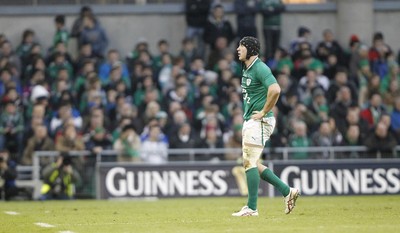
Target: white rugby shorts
[{"x": 258, "y": 132}]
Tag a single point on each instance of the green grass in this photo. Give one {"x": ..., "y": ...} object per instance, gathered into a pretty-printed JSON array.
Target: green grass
[{"x": 312, "y": 214}]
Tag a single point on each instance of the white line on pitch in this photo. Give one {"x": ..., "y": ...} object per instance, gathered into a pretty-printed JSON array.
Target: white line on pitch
[
  {"x": 43, "y": 224},
  {"x": 66, "y": 232},
  {"x": 11, "y": 212}
]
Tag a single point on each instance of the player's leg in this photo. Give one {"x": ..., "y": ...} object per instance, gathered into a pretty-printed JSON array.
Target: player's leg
[
  {"x": 252, "y": 149},
  {"x": 251, "y": 155},
  {"x": 290, "y": 194},
  {"x": 269, "y": 176}
]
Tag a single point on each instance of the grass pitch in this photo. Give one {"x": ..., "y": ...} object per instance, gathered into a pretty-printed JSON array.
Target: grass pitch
[{"x": 312, "y": 214}]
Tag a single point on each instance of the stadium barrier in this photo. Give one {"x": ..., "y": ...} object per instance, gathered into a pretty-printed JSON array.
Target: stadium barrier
[
  {"x": 30, "y": 177},
  {"x": 205, "y": 179}
]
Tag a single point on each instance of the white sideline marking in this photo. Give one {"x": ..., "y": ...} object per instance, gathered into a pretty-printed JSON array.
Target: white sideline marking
[
  {"x": 11, "y": 212},
  {"x": 43, "y": 224},
  {"x": 66, "y": 232}
]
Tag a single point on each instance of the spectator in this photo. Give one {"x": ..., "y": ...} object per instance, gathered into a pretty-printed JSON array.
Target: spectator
[
  {"x": 85, "y": 54},
  {"x": 100, "y": 140},
  {"x": 65, "y": 112},
  {"x": 196, "y": 13},
  {"x": 40, "y": 141},
  {"x": 24, "y": 48},
  {"x": 341, "y": 79},
  {"x": 128, "y": 145},
  {"x": 96, "y": 119},
  {"x": 61, "y": 34},
  {"x": 307, "y": 84},
  {"x": 59, "y": 47},
  {"x": 352, "y": 137},
  {"x": 8, "y": 174},
  {"x": 154, "y": 148},
  {"x": 271, "y": 12},
  {"x": 184, "y": 137},
  {"x": 353, "y": 56},
  {"x": 279, "y": 58},
  {"x": 303, "y": 36},
  {"x": 117, "y": 77},
  {"x": 60, "y": 63},
  {"x": 218, "y": 26},
  {"x": 180, "y": 94},
  {"x": 377, "y": 54},
  {"x": 11, "y": 129},
  {"x": 177, "y": 117},
  {"x": 395, "y": 118},
  {"x": 306, "y": 61},
  {"x": 380, "y": 143},
  {"x": 188, "y": 52},
  {"x": 6, "y": 51},
  {"x": 374, "y": 111},
  {"x": 329, "y": 46},
  {"x": 113, "y": 59},
  {"x": 217, "y": 53},
  {"x": 234, "y": 142},
  {"x": 317, "y": 110},
  {"x": 94, "y": 96},
  {"x": 325, "y": 137},
  {"x": 78, "y": 25},
  {"x": 163, "y": 48},
  {"x": 289, "y": 94},
  {"x": 118, "y": 129},
  {"x": 165, "y": 76},
  {"x": 389, "y": 86},
  {"x": 94, "y": 34},
  {"x": 70, "y": 140},
  {"x": 388, "y": 97},
  {"x": 353, "y": 118},
  {"x": 7, "y": 80},
  {"x": 152, "y": 109},
  {"x": 211, "y": 140},
  {"x": 246, "y": 11},
  {"x": 299, "y": 139},
  {"x": 59, "y": 180},
  {"x": 338, "y": 110}
]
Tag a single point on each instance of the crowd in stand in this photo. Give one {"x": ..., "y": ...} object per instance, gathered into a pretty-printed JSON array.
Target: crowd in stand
[{"x": 142, "y": 104}]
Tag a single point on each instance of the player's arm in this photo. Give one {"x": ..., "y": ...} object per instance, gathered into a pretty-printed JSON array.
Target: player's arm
[{"x": 272, "y": 97}]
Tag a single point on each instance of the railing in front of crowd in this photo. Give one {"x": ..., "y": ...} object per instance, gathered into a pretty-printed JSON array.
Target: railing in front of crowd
[{"x": 30, "y": 176}]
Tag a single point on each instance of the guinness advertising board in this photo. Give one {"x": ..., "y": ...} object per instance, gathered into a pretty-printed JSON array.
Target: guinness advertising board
[
  {"x": 172, "y": 180},
  {"x": 118, "y": 180},
  {"x": 342, "y": 177}
]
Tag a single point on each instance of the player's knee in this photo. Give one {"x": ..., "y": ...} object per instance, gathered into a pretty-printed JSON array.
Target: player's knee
[
  {"x": 246, "y": 164},
  {"x": 251, "y": 156}
]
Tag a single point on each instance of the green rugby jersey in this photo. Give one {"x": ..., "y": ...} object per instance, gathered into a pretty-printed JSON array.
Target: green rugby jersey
[{"x": 255, "y": 82}]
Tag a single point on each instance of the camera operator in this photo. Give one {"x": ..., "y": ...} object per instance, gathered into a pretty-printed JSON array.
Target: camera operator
[
  {"x": 8, "y": 174},
  {"x": 59, "y": 180}
]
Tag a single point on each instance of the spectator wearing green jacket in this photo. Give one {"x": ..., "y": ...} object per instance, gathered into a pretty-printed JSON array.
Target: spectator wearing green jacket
[
  {"x": 271, "y": 11},
  {"x": 61, "y": 31}
]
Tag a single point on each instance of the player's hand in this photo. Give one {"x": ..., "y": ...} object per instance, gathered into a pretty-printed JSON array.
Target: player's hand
[{"x": 257, "y": 115}]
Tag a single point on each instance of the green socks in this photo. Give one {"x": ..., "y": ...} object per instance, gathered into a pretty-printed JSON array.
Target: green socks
[
  {"x": 253, "y": 181},
  {"x": 271, "y": 178}
]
